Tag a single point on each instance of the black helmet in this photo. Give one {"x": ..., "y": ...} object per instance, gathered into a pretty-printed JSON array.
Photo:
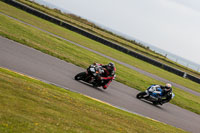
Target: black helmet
[{"x": 111, "y": 66}]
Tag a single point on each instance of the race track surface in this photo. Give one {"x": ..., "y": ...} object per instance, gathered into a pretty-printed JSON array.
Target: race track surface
[
  {"x": 34, "y": 63},
  {"x": 122, "y": 63}
]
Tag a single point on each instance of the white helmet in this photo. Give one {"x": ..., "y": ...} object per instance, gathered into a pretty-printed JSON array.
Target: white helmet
[{"x": 168, "y": 85}]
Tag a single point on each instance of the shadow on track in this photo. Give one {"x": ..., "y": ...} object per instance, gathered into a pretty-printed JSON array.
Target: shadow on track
[
  {"x": 89, "y": 85},
  {"x": 150, "y": 103}
]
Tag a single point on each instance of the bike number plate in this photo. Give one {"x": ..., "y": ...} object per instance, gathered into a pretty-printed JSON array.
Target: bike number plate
[{"x": 92, "y": 69}]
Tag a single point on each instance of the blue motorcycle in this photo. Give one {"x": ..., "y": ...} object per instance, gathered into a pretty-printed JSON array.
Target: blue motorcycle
[{"x": 149, "y": 95}]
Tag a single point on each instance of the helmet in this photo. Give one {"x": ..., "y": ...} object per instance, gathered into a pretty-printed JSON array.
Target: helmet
[
  {"x": 111, "y": 66},
  {"x": 168, "y": 86}
]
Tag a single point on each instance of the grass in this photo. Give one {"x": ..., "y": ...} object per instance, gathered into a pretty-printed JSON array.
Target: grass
[
  {"x": 65, "y": 50},
  {"x": 71, "y": 53},
  {"x": 29, "y": 105},
  {"x": 97, "y": 46},
  {"x": 77, "y": 21}
]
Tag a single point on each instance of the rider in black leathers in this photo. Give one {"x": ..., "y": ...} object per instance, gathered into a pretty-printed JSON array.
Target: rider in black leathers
[{"x": 108, "y": 75}]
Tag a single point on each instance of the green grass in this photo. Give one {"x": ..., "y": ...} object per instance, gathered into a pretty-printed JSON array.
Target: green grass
[
  {"x": 86, "y": 25},
  {"x": 66, "y": 51},
  {"x": 28, "y": 105},
  {"x": 96, "y": 46},
  {"x": 71, "y": 53}
]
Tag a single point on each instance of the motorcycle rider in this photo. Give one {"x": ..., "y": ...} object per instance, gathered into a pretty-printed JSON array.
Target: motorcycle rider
[
  {"x": 108, "y": 75},
  {"x": 158, "y": 91},
  {"x": 167, "y": 90}
]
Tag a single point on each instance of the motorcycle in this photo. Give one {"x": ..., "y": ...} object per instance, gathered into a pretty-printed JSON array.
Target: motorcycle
[
  {"x": 147, "y": 95},
  {"x": 91, "y": 76}
]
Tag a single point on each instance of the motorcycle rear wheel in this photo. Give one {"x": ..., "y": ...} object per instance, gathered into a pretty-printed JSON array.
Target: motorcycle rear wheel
[{"x": 155, "y": 103}]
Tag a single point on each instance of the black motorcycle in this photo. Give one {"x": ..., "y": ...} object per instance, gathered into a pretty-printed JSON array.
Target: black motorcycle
[
  {"x": 147, "y": 95},
  {"x": 92, "y": 75}
]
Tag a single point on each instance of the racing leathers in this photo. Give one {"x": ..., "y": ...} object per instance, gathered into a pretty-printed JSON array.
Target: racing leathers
[
  {"x": 158, "y": 91},
  {"x": 107, "y": 76}
]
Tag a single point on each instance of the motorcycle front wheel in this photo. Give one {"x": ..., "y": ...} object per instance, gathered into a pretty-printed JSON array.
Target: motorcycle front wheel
[
  {"x": 141, "y": 95},
  {"x": 80, "y": 76}
]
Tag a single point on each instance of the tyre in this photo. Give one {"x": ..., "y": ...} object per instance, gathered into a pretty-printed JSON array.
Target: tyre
[
  {"x": 155, "y": 103},
  {"x": 141, "y": 95},
  {"x": 80, "y": 76}
]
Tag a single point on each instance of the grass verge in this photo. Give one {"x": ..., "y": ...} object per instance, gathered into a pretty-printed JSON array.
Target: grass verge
[
  {"x": 29, "y": 105},
  {"x": 71, "y": 53},
  {"x": 96, "y": 46},
  {"x": 90, "y": 27}
]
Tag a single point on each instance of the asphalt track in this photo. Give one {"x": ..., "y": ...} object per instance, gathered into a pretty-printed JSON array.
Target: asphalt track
[
  {"x": 34, "y": 63},
  {"x": 127, "y": 65}
]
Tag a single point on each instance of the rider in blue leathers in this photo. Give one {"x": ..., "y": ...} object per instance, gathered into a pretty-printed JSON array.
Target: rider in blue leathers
[{"x": 158, "y": 91}]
